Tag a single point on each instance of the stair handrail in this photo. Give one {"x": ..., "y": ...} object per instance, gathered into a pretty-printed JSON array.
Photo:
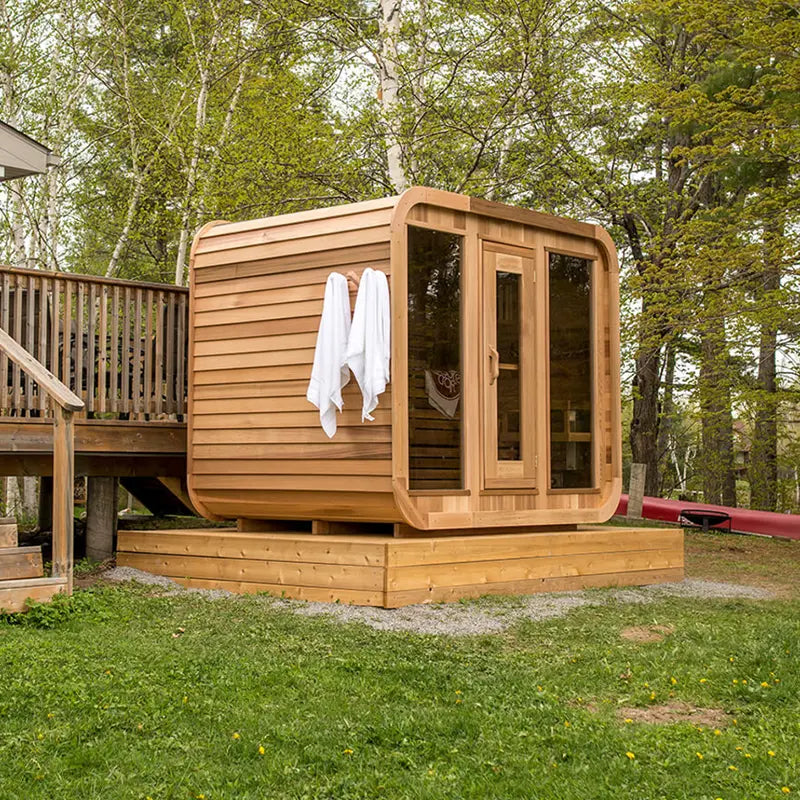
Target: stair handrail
[{"x": 63, "y": 452}]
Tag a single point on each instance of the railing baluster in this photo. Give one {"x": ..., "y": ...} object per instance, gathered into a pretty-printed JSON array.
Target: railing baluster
[
  {"x": 91, "y": 368},
  {"x": 5, "y": 313},
  {"x": 180, "y": 346},
  {"x": 44, "y": 290},
  {"x": 158, "y": 366},
  {"x": 113, "y": 382},
  {"x": 67, "y": 375},
  {"x": 79, "y": 337},
  {"x": 127, "y": 351},
  {"x": 102, "y": 358},
  {"x": 137, "y": 354},
  {"x": 30, "y": 340},
  {"x": 169, "y": 343},
  {"x": 55, "y": 319},
  {"x": 148, "y": 354}
]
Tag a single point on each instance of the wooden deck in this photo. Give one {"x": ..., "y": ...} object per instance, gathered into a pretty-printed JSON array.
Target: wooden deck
[{"x": 380, "y": 570}]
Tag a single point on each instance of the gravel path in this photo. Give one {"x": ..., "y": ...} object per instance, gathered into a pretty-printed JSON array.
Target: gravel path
[{"x": 468, "y": 618}]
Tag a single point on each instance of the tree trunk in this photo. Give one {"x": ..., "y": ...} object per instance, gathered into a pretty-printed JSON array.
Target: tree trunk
[
  {"x": 646, "y": 378},
  {"x": 667, "y": 414},
  {"x": 389, "y": 26},
  {"x": 716, "y": 462},
  {"x": 764, "y": 452}
]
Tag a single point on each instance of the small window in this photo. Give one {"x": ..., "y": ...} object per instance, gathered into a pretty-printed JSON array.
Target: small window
[{"x": 570, "y": 315}]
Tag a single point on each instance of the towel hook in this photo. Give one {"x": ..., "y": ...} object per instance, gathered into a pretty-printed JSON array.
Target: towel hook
[{"x": 353, "y": 278}]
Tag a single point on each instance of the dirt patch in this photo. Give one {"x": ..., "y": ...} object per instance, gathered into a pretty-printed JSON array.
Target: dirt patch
[
  {"x": 674, "y": 713},
  {"x": 646, "y": 633},
  {"x": 85, "y": 578}
]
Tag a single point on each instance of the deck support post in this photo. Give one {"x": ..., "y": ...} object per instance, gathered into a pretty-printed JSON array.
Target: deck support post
[
  {"x": 101, "y": 517},
  {"x": 63, "y": 495}
]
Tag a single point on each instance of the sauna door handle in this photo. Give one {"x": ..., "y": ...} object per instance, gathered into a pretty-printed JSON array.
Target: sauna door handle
[{"x": 494, "y": 365}]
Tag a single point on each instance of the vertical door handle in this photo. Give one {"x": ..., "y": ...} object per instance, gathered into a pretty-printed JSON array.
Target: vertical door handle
[{"x": 494, "y": 365}]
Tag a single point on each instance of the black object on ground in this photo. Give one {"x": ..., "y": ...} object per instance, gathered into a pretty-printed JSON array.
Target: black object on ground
[{"x": 705, "y": 518}]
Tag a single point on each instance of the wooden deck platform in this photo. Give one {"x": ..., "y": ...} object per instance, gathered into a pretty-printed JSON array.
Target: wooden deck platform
[
  {"x": 102, "y": 447},
  {"x": 391, "y": 572}
]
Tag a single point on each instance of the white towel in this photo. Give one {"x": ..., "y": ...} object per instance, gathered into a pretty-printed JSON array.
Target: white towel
[
  {"x": 369, "y": 345},
  {"x": 330, "y": 374}
]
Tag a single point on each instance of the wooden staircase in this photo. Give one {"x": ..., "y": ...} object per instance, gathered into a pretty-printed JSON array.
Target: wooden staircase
[{"x": 22, "y": 572}]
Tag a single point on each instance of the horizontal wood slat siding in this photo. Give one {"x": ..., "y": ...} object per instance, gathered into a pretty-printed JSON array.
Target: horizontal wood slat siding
[
  {"x": 256, "y": 304},
  {"x": 384, "y": 571}
]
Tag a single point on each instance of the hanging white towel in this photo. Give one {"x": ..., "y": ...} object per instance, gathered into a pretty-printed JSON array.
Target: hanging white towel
[
  {"x": 330, "y": 374},
  {"x": 369, "y": 345}
]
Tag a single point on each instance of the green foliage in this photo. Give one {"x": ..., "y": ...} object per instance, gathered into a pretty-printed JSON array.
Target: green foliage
[{"x": 674, "y": 124}]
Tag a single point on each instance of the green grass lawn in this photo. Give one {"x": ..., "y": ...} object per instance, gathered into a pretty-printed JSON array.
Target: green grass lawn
[{"x": 128, "y": 695}]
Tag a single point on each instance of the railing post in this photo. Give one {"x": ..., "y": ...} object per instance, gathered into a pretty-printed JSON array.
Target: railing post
[{"x": 63, "y": 495}]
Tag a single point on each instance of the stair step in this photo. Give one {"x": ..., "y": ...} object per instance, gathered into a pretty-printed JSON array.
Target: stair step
[
  {"x": 8, "y": 532},
  {"x": 20, "y": 562},
  {"x": 14, "y": 594}
]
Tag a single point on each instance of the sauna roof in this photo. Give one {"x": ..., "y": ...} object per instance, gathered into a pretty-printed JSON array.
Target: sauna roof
[{"x": 411, "y": 197}]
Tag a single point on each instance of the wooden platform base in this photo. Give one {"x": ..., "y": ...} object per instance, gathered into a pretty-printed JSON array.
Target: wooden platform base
[
  {"x": 380, "y": 570},
  {"x": 14, "y": 594}
]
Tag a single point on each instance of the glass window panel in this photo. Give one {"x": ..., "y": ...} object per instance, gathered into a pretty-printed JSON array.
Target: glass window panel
[
  {"x": 434, "y": 359},
  {"x": 570, "y": 372},
  {"x": 509, "y": 379}
]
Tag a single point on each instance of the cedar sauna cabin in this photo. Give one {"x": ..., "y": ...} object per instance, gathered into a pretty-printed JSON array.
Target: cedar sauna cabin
[{"x": 494, "y": 447}]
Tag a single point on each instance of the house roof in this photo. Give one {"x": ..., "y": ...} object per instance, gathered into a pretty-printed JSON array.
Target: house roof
[{"x": 20, "y": 155}]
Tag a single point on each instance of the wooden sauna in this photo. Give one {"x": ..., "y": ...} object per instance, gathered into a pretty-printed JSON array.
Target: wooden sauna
[
  {"x": 506, "y": 317},
  {"x": 496, "y": 443}
]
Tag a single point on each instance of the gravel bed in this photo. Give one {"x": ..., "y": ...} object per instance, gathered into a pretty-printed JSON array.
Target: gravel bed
[{"x": 466, "y": 618}]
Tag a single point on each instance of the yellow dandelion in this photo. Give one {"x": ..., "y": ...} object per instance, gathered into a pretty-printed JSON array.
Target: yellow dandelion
[
  {"x": 732, "y": 768},
  {"x": 777, "y": 680},
  {"x": 739, "y": 747},
  {"x": 747, "y": 755},
  {"x": 539, "y": 689},
  {"x": 699, "y": 755},
  {"x": 735, "y": 681},
  {"x": 261, "y": 750},
  {"x": 50, "y": 715},
  {"x": 458, "y": 691},
  {"x": 764, "y": 684},
  {"x": 771, "y": 753},
  {"x": 785, "y": 789},
  {"x": 744, "y": 681},
  {"x": 703, "y": 680},
  {"x": 731, "y": 659},
  {"x": 652, "y": 695},
  {"x": 673, "y": 680},
  {"x": 630, "y": 755},
  {"x": 566, "y": 724},
  {"x": 628, "y": 720},
  {"x": 717, "y": 732},
  {"x": 734, "y": 722},
  {"x": 185, "y": 699},
  {"x": 348, "y": 751},
  {"x": 458, "y": 700},
  {"x": 236, "y": 735}
]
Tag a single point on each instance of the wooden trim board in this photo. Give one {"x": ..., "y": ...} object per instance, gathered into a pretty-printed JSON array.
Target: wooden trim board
[{"x": 381, "y": 570}]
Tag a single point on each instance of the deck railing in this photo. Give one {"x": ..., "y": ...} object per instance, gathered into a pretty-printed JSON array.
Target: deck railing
[
  {"x": 65, "y": 404},
  {"x": 118, "y": 345}
]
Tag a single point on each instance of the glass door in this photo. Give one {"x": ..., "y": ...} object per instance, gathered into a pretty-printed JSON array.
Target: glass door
[{"x": 508, "y": 302}]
